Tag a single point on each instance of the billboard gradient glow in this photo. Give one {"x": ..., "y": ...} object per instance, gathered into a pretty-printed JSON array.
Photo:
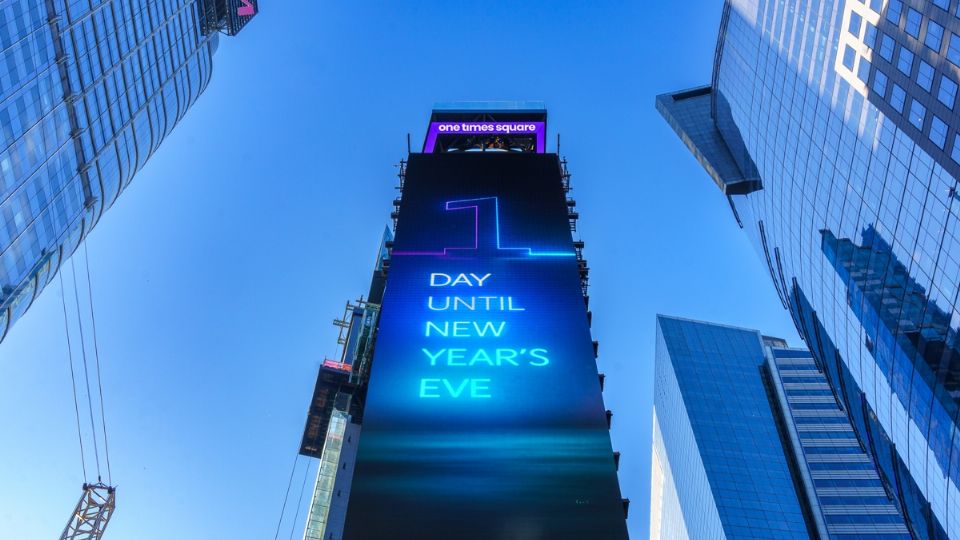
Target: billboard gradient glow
[{"x": 484, "y": 417}]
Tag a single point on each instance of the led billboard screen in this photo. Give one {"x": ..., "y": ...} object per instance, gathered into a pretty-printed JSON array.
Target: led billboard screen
[
  {"x": 484, "y": 418},
  {"x": 456, "y": 128},
  {"x": 239, "y": 13}
]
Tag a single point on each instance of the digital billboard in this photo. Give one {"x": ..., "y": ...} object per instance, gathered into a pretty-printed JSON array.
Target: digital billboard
[
  {"x": 239, "y": 13},
  {"x": 534, "y": 129},
  {"x": 484, "y": 417}
]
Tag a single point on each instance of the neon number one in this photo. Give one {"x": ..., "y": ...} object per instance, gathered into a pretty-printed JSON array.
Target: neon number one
[
  {"x": 486, "y": 232},
  {"x": 246, "y": 9}
]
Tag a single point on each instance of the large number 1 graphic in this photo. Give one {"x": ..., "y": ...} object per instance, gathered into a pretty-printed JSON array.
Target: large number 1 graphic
[{"x": 486, "y": 233}]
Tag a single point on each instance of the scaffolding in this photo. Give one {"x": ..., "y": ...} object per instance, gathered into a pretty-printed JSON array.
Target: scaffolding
[
  {"x": 402, "y": 176},
  {"x": 333, "y": 420}
]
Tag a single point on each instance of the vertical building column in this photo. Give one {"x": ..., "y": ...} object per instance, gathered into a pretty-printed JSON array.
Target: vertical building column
[{"x": 53, "y": 20}]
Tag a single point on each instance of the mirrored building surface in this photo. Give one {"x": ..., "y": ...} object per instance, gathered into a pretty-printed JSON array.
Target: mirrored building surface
[
  {"x": 750, "y": 442},
  {"x": 88, "y": 91},
  {"x": 832, "y": 128}
]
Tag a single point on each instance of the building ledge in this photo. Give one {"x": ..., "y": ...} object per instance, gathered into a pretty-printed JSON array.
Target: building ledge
[{"x": 689, "y": 114}]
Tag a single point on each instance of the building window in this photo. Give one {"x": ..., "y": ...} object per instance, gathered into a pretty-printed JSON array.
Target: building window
[
  {"x": 886, "y": 48},
  {"x": 948, "y": 91},
  {"x": 876, "y": 5},
  {"x": 953, "y": 51},
  {"x": 938, "y": 132},
  {"x": 863, "y": 70},
  {"x": 905, "y": 62},
  {"x": 925, "y": 76},
  {"x": 870, "y": 36},
  {"x": 849, "y": 56},
  {"x": 880, "y": 84},
  {"x": 856, "y": 22},
  {"x": 897, "y": 97},
  {"x": 894, "y": 10},
  {"x": 956, "y": 149},
  {"x": 934, "y": 37},
  {"x": 917, "y": 114},
  {"x": 942, "y": 4},
  {"x": 913, "y": 22}
]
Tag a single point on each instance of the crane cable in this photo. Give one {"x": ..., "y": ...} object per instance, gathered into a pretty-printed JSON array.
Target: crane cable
[
  {"x": 283, "y": 510},
  {"x": 73, "y": 378},
  {"x": 306, "y": 474},
  {"x": 86, "y": 369},
  {"x": 96, "y": 351},
  {"x": 286, "y": 498}
]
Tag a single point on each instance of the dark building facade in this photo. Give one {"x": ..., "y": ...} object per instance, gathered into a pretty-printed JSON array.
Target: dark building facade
[
  {"x": 832, "y": 128},
  {"x": 750, "y": 442},
  {"x": 88, "y": 91},
  {"x": 467, "y": 401}
]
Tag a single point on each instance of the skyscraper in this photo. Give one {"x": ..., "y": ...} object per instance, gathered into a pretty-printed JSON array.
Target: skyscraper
[
  {"x": 750, "y": 442},
  {"x": 88, "y": 91},
  {"x": 467, "y": 402},
  {"x": 832, "y": 128}
]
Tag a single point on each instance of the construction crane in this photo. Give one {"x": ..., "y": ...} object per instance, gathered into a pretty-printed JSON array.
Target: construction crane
[
  {"x": 90, "y": 518},
  {"x": 98, "y": 501}
]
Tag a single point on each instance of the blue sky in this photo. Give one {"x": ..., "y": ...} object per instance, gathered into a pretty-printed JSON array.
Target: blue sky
[{"x": 216, "y": 275}]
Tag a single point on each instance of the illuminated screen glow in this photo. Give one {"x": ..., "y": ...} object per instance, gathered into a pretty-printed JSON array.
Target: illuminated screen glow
[
  {"x": 239, "y": 14},
  {"x": 437, "y": 129},
  {"x": 246, "y": 8},
  {"x": 484, "y": 418}
]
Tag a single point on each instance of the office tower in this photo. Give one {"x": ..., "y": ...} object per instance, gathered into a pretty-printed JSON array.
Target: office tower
[
  {"x": 832, "y": 129},
  {"x": 88, "y": 91},
  {"x": 467, "y": 402},
  {"x": 750, "y": 442}
]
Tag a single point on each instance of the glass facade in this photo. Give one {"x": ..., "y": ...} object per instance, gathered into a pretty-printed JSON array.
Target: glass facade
[
  {"x": 847, "y": 111},
  {"x": 847, "y": 498},
  {"x": 88, "y": 91},
  {"x": 332, "y": 487},
  {"x": 717, "y": 451},
  {"x": 750, "y": 442}
]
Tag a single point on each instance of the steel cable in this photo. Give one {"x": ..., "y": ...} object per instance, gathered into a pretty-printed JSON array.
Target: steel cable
[
  {"x": 86, "y": 370},
  {"x": 283, "y": 510},
  {"x": 96, "y": 352},
  {"x": 73, "y": 378},
  {"x": 306, "y": 474}
]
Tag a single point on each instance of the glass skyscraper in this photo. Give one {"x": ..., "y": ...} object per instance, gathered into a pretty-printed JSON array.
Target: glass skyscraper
[
  {"x": 750, "y": 442},
  {"x": 88, "y": 91},
  {"x": 833, "y": 129}
]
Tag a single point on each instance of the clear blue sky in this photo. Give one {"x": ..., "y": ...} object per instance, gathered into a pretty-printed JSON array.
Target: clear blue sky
[{"x": 218, "y": 272}]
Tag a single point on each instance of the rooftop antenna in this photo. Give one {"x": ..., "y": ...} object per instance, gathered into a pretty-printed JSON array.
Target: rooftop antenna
[{"x": 408, "y": 144}]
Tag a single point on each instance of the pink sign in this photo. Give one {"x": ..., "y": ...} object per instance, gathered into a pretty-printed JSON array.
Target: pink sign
[{"x": 247, "y": 9}]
